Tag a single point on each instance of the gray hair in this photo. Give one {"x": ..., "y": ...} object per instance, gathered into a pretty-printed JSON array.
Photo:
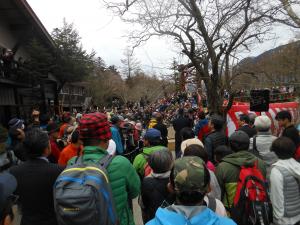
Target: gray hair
[{"x": 161, "y": 161}]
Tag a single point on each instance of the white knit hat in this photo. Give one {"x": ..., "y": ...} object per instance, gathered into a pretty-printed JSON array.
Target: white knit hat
[
  {"x": 188, "y": 142},
  {"x": 262, "y": 123}
]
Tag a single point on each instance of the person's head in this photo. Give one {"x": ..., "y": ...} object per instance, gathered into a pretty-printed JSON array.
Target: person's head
[
  {"x": 216, "y": 122},
  {"x": 239, "y": 141},
  {"x": 94, "y": 130},
  {"x": 196, "y": 150},
  {"x": 262, "y": 123},
  {"x": 188, "y": 142},
  {"x": 284, "y": 118},
  {"x": 252, "y": 117},
  {"x": 187, "y": 133},
  {"x": 152, "y": 137},
  {"x": 221, "y": 151},
  {"x": 284, "y": 148},
  {"x": 16, "y": 123},
  {"x": 189, "y": 181},
  {"x": 36, "y": 144},
  {"x": 161, "y": 161},
  {"x": 159, "y": 117},
  {"x": 53, "y": 130},
  {"x": 243, "y": 119},
  {"x": 66, "y": 118},
  {"x": 35, "y": 115},
  {"x": 8, "y": 185}
]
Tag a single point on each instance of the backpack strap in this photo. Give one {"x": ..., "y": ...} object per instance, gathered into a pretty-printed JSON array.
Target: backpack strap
[
  {"x": 106, "y": 160},
  {"x": 212, "y": 203},
  {"x": 254, "y": 144}
]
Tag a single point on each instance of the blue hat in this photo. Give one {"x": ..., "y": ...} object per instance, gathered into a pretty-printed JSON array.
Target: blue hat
[{"x": 152, "y": 134}]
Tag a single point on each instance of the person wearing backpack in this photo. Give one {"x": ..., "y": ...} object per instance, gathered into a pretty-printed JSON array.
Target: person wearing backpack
[
  {"x": 229, "y": 170},
  {"x": 260, "y": 144},
  {"x": 95, "y": 134},
  {"x": 35, "y": 179},
  {"x": 284, "y": 181},
  {"x": 189, "y": 182}
]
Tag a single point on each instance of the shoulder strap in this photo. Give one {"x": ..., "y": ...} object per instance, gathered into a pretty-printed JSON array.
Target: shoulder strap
[
  {"x": 212, "y": 203},
  {"x": 254, "y": 144},
  {"x": 106, "y": 160}
]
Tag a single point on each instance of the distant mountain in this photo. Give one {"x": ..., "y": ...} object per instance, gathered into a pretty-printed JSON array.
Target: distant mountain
[{"x": 270, "y": 53}]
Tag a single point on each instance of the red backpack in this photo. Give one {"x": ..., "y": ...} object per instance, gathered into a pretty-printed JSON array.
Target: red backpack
[{"x": 251, "y": 205}]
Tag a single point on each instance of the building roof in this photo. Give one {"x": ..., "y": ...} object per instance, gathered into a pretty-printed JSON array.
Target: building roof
[{"x": 23, "y": 21}]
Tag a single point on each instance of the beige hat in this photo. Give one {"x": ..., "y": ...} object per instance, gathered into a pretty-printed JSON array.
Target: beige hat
[{"x": 188, "y": 142}]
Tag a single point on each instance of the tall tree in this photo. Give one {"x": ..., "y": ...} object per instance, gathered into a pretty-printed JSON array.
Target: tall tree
[
  {"x": 130, "y": 64},
  {"x": 210, "y": 33},
  {"x": 73, "y": 63}
]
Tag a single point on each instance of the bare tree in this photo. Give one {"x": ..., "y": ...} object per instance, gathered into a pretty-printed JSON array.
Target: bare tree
[
  {"x": 130, "y": 64},
  {"x": 210, "y": 33},
  {"x": 289, "y": 7}
]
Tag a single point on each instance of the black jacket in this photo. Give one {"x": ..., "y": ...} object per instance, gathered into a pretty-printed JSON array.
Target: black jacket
[
  {"x": 292, "y": 133},
  {"x": 179, "y": 123},
  {"x": 248, "y": 130},
  {"x": 164, "y": 133},
  {"x": 213, "y": 140},
  {"x": 154, "y": 192},
  {"x": 35, "y": 188}
]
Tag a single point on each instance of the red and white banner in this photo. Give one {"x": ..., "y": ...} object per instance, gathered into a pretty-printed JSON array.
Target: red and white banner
[{"x": 244, "y": 108}]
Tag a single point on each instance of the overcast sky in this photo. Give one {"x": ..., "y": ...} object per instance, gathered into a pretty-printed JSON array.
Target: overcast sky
[{"x": 106, "y": 34}]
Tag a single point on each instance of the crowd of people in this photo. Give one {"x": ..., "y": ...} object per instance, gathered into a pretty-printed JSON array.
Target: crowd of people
[{"x": 87, "y": 168}]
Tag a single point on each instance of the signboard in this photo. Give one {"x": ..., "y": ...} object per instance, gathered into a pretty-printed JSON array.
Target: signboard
[{"x": 259, "y": 101}]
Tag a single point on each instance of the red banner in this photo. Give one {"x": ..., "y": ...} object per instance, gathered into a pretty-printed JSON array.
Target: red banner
[{"x": 244, "y": 108}]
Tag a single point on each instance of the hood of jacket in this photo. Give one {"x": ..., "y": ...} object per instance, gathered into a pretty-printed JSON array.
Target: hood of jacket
[
  {"x": 291, "y": 165},
  {"x": 190, "y": 215},
  {"x": 241, "y": 158}
]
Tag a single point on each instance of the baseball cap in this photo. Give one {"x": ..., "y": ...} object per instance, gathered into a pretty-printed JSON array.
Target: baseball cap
[
  {"x": 152, "y": 134},
  {"x": 8, "y": 185},
  {"x": 94, "y": 126},
  {"x": 189, "y": 174}
]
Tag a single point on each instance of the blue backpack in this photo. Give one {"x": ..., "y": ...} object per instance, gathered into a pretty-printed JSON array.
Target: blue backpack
[{"x": 82, "y": 195}]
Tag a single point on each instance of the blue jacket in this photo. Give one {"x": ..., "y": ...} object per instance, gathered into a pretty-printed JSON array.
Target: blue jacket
[
  {"x": 205, "y": 217},
  {"x": 115, "y": 135},
  {"x": 200, "y": 125}
]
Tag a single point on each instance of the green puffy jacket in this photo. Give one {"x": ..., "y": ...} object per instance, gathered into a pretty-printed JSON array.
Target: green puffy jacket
[
  {"x": 228, "y": 171},
  {"x": 140, "y": 160},
  {"x": 123, "y": 178}
]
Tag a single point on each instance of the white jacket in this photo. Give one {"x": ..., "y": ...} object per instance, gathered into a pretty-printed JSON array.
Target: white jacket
[{"x": 277, "y": 198}]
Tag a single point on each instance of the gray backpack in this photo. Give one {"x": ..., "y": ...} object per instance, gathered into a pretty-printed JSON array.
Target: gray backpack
[{"x": 82, "y": 195}]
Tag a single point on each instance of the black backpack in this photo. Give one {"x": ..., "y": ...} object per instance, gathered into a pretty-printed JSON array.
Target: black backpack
[{"x": 82, "y": 195}]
